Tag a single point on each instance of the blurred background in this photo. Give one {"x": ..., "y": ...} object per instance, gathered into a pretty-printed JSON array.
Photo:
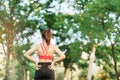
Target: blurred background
[{"x": 88, "y": 31}]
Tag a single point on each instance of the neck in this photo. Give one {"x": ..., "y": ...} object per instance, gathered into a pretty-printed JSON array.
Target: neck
[{"x": 44, "y": 41}]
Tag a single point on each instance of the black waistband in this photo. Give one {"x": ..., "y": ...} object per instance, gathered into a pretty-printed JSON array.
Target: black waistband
[{"x": 44, "y": 64}]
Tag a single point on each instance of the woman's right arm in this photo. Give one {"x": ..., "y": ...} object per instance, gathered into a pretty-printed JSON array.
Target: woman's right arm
[
  {"x": 60, "y": 53},
  {"x": 61, "y": 57}
]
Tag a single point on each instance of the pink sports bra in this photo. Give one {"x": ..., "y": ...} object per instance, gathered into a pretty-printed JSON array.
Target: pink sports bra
[{"x": 45, "y": 55}]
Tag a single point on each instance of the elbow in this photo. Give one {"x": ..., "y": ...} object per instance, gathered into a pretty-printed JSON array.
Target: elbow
[
  {"x": 25, "y": 55},
  {"x": 64, "y": 57}
]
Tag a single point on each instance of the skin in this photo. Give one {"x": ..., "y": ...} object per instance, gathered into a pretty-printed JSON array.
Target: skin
[{"x": 52, "y": 49}]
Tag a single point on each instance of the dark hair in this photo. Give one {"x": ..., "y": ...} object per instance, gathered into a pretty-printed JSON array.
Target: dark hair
[{"x": 46, "y": 35}]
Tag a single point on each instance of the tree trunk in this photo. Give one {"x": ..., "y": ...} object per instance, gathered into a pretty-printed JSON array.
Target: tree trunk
[
  {"x": 24, "y": 74},
  {"x": 115, "y": 62},
  {"x": 20, "y": 76},
  {"x": 71, "y": 75},
  {"x": 13, "y": 67},
  {"x": 28, "y": 75},
  {"x": 71, "y": 72},
  {"x": 65, "y": 74},
  {"x": 7, "y": 64},
  {"x": 92, "y": 56},
  {"x": 13, "y": 70}
]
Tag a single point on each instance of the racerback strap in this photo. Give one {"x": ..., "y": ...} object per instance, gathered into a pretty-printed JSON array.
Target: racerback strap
[{"x": 44, "y": 50}]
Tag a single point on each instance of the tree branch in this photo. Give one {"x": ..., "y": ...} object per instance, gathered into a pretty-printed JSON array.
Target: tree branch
[
  {"x": 12, "y": 9},
  {"x": 4, "y": 49}
]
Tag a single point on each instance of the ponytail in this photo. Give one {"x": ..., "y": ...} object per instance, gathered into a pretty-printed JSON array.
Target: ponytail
[{"x": 47, "y": 35}]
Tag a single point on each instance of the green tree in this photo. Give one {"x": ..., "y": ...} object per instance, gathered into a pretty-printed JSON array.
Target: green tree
[
  {"x": 14, "y": 20},
  {"x": 19, "y": 20},
  {"x": 97, "y": 24}
]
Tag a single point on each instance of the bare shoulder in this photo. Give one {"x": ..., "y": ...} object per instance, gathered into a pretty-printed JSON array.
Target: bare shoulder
[
  {"x": 36, "y": 46},
  {"x": 53, "y": 46}
]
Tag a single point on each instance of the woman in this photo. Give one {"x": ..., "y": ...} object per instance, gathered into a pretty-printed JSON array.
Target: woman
[{"x": 45, "y": 65}]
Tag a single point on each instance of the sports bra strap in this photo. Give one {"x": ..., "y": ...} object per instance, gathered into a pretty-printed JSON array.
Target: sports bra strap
[
  {"x": 44, "y": 49},
  {"x": 45, "y": 54}
]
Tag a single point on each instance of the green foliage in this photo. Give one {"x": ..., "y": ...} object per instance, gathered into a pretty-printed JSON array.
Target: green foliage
[
  {"x": 94, "y": 24},
  {"x": 60, "y": 76},
  {"x": 73, "y": 54},
  {"x": 49, "y": 19},
  {"x": 96, "y": 19},
  {"x": 20, "y": 50},
  {"x": 103, "y": 53},
  {"x": 82, "y": 64},
  {"x": 117, "y": 50},
  {"x": 104, "y": 57},
  {"x": 25, "y": 64}
]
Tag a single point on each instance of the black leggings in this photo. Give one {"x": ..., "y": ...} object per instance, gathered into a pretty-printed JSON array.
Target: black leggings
[{"x": 44, "y": 73}]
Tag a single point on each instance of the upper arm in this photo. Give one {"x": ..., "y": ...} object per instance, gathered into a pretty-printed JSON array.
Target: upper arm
[
  {"x": 58, "y": 51},
  {"x": 30, "y": 51}
]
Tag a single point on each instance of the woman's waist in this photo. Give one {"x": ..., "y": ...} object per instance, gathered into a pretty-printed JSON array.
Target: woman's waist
[
  {"x": 44, "y": 64},
  {"x": 45, "y": 61}
]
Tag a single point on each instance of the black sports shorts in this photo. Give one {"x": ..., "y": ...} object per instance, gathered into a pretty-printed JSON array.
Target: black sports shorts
[{"x": 44, "y": 73}]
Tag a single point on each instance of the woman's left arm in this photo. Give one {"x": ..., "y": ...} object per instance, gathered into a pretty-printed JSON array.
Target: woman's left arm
[{"x": 29, "y": 52}]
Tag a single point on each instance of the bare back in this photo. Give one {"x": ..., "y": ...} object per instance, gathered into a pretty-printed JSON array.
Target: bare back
[{"x": 41, "y": 48}]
